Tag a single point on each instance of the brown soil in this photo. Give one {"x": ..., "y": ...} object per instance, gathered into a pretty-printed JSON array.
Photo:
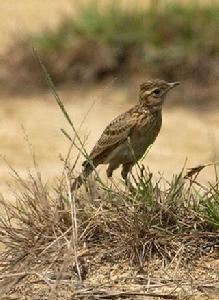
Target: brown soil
[{"x": 118, "y": 280}]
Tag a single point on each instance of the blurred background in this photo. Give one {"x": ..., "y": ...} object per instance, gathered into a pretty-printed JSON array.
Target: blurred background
[{"x": 98, "y": 52}]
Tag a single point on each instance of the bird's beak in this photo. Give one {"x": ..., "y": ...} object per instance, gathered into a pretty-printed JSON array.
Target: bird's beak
[{"x": 173, "y": 84}]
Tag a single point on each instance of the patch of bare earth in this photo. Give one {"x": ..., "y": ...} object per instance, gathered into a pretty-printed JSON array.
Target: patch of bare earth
[{"x": 119, "y": 280}]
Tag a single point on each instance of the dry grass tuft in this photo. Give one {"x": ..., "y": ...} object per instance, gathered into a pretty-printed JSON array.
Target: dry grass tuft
[
  {"x": 57, "y": 237},
  {"x": 56, "y": 243}
]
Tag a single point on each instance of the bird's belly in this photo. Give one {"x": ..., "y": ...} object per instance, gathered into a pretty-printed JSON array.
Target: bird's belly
[
  {"x": 130, "y": 151},
  {"x": 120, "y": 155},
  {"x": 134, "y": 148}
]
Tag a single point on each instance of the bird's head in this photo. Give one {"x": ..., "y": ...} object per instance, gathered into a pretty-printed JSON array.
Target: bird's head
[{"x": 153, "y": 92}]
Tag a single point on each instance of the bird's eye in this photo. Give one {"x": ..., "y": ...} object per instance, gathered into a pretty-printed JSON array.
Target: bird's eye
[{"x": 156, "y": 92}]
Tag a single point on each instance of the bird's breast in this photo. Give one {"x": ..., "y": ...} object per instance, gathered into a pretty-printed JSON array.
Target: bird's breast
[{"x": 145, "y": 134}]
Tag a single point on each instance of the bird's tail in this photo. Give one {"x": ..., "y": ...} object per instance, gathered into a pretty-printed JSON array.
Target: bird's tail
[{"x": 88, "y": 168}]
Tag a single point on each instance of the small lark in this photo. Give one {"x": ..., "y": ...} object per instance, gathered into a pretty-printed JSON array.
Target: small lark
[{"x": 127, "y": 137}]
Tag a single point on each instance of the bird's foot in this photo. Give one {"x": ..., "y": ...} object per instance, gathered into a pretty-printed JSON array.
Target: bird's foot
[{"x": 129, "y": 186}]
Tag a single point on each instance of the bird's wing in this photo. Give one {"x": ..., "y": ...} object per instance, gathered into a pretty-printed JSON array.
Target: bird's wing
[{"x": 114, "y": 134}]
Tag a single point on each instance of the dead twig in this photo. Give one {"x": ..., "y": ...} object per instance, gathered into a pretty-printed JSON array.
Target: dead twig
[{"x": 123, "y": 294}]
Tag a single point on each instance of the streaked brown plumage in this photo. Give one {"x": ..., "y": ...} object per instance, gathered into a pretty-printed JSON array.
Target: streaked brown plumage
[{"x": 127, "y": 137}]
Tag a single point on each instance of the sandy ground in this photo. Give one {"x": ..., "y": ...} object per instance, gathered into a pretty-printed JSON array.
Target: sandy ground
[
  {"x": 185, "y": 134},
  {"x": 18, "y": 18}
]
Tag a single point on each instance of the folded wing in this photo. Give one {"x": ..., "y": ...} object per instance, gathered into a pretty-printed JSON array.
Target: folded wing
[{"x": 115, "y": 133}]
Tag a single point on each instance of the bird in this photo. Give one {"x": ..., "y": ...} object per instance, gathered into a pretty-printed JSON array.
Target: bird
[{"x": 125, "y": 140}]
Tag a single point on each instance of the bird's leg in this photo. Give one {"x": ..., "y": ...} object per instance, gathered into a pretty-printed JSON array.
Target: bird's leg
[
  {"x": 126, "y": 168},
  {"x": 111, "y": 168},
  {"x": 109, "y": 172}
]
